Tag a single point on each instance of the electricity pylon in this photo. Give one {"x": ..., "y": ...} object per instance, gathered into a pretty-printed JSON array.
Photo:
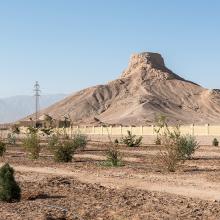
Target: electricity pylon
[{"x": 37, "y": 96}]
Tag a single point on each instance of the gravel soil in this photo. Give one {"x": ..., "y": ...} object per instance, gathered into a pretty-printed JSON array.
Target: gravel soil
[{"x": 141, "y": 189}]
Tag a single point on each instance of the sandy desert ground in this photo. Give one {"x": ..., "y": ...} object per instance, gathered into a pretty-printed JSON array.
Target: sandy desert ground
[{"x": 141, "y": 189}]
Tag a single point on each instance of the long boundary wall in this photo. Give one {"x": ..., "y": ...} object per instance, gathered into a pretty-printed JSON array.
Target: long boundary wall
[
  {"x": 202, "y": 130},
  {"x": 203, "y": 133}
]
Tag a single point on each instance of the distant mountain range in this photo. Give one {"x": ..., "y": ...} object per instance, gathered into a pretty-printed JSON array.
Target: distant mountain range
[{"x": 17, "y": 107}]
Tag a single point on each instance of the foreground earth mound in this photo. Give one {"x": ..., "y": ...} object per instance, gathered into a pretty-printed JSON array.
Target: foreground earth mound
[{"x": 146, "y": 88}]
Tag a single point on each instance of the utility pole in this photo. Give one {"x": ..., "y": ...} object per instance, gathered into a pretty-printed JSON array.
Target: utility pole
[{"x": 37, "y": 95}]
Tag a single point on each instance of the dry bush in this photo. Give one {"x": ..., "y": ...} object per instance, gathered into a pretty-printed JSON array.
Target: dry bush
[
  {"x": 175, "y": 147},
  {"x": 170, "y": 155}
]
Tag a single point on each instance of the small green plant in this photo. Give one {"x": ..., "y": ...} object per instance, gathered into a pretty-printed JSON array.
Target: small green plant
[
  {"x": 187, "y": 146},
  {"x": 11, "y": 139},
  {"x": 15, "y": 129},
  {"x": 157, "y": 140},
  {"x": 2, "y": 148},
  {"x": 176, "y": 148},
  {"x": 114, "y": 157},
  {"x": 9, "y": 189},
  {"x": 170, "y": 155},
  {"x": 46, "y": 131},
  {"x": 131, "y": 140},
  {"x": 32, "y": 145},
  {"x": 215, "y": 142},
  {"x": 116, "y": 141},
  {"x": 79, "y": 141},
  {"x": 63, "y": 150},
  {"x": 32, "y": 130}
]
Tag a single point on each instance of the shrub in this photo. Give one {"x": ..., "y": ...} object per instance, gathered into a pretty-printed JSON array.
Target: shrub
[
  {"x": 131, "y": 140},
  {"x": 114, "y": 157},
  {"x": 32, "y": 130},
  {"x": 2, "y": 148},
  {"x": 157, "y": 140},
  {"x": 187, "y": 146},
  {"x": 15, "y": 129},
  {"x": 9, "y": 189},
  {"x": 11, "y": 138},
  {"x": 79, "y": 141},
  {"x": 170, "y": 155},
  {"x": 215, "y": 142},
  {"x": 47, "y": 131},
  {"x": 176, "y": 148},
  {"x": 116, "y": 141},
  {"x": 32, "y": 145},
  {"x": 63, "y": 150}
]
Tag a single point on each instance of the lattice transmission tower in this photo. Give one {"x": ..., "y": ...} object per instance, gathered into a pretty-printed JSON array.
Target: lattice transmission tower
[{"x": 37, "y": 103}]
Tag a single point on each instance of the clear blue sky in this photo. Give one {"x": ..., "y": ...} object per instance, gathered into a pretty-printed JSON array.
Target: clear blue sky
[{"x": 68, "y": 45}]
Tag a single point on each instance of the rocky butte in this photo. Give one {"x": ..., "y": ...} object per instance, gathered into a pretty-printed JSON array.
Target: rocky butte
[{"x": 145, "y": 89}]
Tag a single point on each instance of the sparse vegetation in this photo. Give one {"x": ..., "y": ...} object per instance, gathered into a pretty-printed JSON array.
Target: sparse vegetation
[
  {"x": 131, "y": 140},
  {"x": 79, "y": 141},
  {"x": 11, "y": 139},
  {"x": 9, "y": 189},
  {"x": 176, "y": 148},
  {"x": 15, "y": 129},
  {"x": 187, "y": 146},
  {"x": 64, "y": 149},
  {"x": 157, "y": 140},
  {"x": 114, "y": 157},
  {"x": 215, "y": 142},
  {"x": 170, "y": 156},
  {"x": 2, "y": 148},
  {"x": 32, "y": 145}
]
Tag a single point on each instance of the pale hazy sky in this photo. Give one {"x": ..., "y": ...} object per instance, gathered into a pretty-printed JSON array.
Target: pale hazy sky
[{"x": 69, "y": 45}]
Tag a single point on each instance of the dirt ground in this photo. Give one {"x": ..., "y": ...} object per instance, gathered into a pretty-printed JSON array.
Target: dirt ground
[{"x": 141, "y": 189}]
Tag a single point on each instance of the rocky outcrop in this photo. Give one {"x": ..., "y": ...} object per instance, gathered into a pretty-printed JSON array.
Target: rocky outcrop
[{"x": 146, "y": 88}]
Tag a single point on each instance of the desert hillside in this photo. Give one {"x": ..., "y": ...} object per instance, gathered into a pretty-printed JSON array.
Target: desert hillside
[{"x": 146, "y": 88}]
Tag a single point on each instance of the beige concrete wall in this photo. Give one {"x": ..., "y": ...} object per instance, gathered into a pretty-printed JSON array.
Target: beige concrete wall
[
  {"x": 204, "y": 133},
  {"x": 202, "y": 130}
]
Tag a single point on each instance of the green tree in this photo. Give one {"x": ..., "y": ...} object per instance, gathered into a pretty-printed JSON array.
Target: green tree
[{"x": 9, "y": 189}]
